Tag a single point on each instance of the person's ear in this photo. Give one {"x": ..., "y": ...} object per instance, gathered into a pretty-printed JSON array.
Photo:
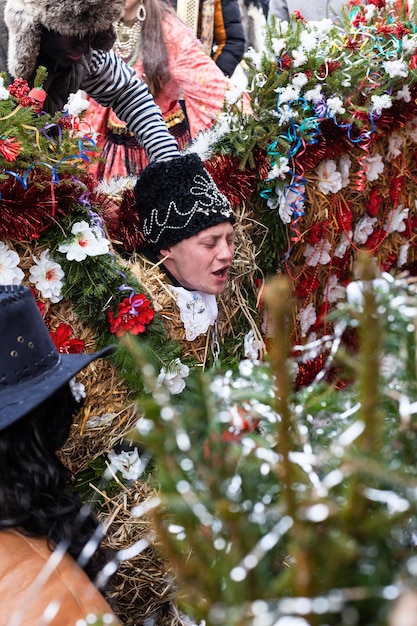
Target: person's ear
[{"x": 165, "y": 252}]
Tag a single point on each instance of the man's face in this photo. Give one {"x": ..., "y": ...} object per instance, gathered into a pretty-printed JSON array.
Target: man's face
[
  {"x": 202, "y": 262},
  {"x": 64, "y": 50}
]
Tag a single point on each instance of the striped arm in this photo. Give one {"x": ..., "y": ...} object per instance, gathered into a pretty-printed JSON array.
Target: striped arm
[{"x": 112, "y": 83}]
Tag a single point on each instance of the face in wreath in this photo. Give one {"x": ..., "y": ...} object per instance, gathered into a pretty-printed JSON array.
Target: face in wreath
[
  {"x": 66, "y": 51},
  {"x": 202, "y": 262}
]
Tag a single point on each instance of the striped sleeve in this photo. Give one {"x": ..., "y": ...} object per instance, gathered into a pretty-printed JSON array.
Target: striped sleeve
[{"x": 112, "y": 83}]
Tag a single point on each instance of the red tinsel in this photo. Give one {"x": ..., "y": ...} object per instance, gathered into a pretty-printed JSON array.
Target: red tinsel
[
  {"x": 237, "y": 184},
  {"x": 26, "y": 213}
]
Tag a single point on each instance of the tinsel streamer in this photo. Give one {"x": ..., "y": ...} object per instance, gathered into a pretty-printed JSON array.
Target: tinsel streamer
[
  {"x": 237, "y": 184},
  {"x": 26, "y": 213}
]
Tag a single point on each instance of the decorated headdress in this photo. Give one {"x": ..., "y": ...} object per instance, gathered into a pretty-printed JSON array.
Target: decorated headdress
[
  {"x": 177, "y": 199},
  {"x": 70, "y": 18},
  {"x": 31, "y": 368}
]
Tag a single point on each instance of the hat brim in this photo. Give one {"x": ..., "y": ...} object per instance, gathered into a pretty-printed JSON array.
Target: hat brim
[{"x": 19, "y": 400}]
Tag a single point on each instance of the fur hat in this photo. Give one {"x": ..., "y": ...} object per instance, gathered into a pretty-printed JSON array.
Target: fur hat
[
  {"x": 177, "y": 199},
  {"x": 70, "y": 18},
  {"x": 31, "y": 368}
]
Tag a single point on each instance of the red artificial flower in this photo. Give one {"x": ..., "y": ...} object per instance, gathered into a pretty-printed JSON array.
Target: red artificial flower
[
  {"x": 299, "y": 16},
  {"x": 413, "y": 62},
  {"x": 344, "y": 220},
  {"x": 374, "y": 202},
  {"x": 306, "y": 284},
  {"x": 389, "y": 262},
  {"x": 133, "y": 315},
  {"x": 285, "y": 61},
  {"x": 317, "y": 232},
  {"x": 39, "y": 303},
  {"x": 380, "y": 4},
  {"x": 351, "y": 43},
  {"x": 321, "y": 316},
  {"x": 19, "y": 88},
  {"x": 63, "y": 343},
  {"x": 358, "y": 19},
  {"x": 9, "y": 148},
  {"x": 374, "y": 241},
  {"x": 401, "y": 31},
  {"x": 66, "y": 122},
  {"x": 396, "y": 186}
]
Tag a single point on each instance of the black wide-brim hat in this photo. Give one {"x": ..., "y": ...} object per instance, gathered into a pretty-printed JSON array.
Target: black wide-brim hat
[{"x": 31, "y": 368}]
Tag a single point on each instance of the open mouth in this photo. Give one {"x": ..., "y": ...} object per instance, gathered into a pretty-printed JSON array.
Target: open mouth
[{"x": 222, "y": 273}]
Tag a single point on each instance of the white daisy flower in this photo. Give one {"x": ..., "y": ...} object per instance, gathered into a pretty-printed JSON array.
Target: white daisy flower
[
  {"x": 363, "y": 229},
  {"x": 10, "y": 273},
  {"x": 47, "y": 276},
  {"x": 374, "y": 167},
  {"x": 330, "y": 179},
  {"x": 86, "y": 241},
  {"x": 307, "y": 317},
  {"x": 172, "y": 377}
]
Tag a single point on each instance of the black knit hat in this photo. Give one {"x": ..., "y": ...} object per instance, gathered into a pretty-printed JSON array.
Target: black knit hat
[{"x": 177, "y": 199}]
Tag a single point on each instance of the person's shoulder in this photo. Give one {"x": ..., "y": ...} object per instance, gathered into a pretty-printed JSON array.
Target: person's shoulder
[{"x": 23, "y": 560}]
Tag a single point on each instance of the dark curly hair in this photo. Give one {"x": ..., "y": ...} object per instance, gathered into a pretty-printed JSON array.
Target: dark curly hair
[{"x": 36, "y": 496}]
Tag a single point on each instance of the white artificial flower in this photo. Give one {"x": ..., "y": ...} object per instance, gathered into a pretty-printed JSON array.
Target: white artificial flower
[
  {"x": 334, "y": 291},
  {"x": 308, "y": 40},
  {"x": 319, "y": 253},
  {"x": 287, "y": 94},
  {"x": 381, "y": 102},
  {"x": 307, "y": 317},
  {"x": 409, "y": 44},
  {"x": 10, "y": 273},
  {"x": 280, "y": 169},
  {"x": 335, "y": 105},
  {"x": 77, "y": 390},
  {"x": 363, "y": 229},
  {"x": 314, "y": 95},
  {"x": 411, "y": 129},
  {"x": 403, "y": 254},
  {"x": 77, "y": 103},
  {"x": 285, "y": 114},
  {"x": 283, "y": 26},
  {"x": 396, "y": 220},
  {"x": 345, "y": 242},
  {"x": 374, "y": 167},
  {"x": 252, "y": 347},
  {"x": 322, "y": 27},
  {"x": 254, "y": 57},
  {"x": 233, "y": 93},
  {"x": 47, "y": 276},
  {"x": 344, "y": 168},
  {"x": 369, "y": 12},
  {"x": 396, "y": 68},
  {"x": 278, "y": 45},
  {"x": 299, "y": 80},
  {"x": 86, "y": 241},
  {"x": 4, "y": 93},
  {"x": 330, "y": 179},
  {"x": 395, "y": 144},
  {"x": 127, "y": 462},
  {"x": 274, "y": 199},
  {"x": 300, "y": 58},
  {"x": 172, "y": 377},
  {"x": 311, "y": 349},
  {"x": 404, "y": 94},
  {"x": 290, "y": 200}
]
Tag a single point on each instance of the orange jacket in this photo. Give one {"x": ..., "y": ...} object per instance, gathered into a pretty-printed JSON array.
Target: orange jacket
[{"x": 31, "y": 583}]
